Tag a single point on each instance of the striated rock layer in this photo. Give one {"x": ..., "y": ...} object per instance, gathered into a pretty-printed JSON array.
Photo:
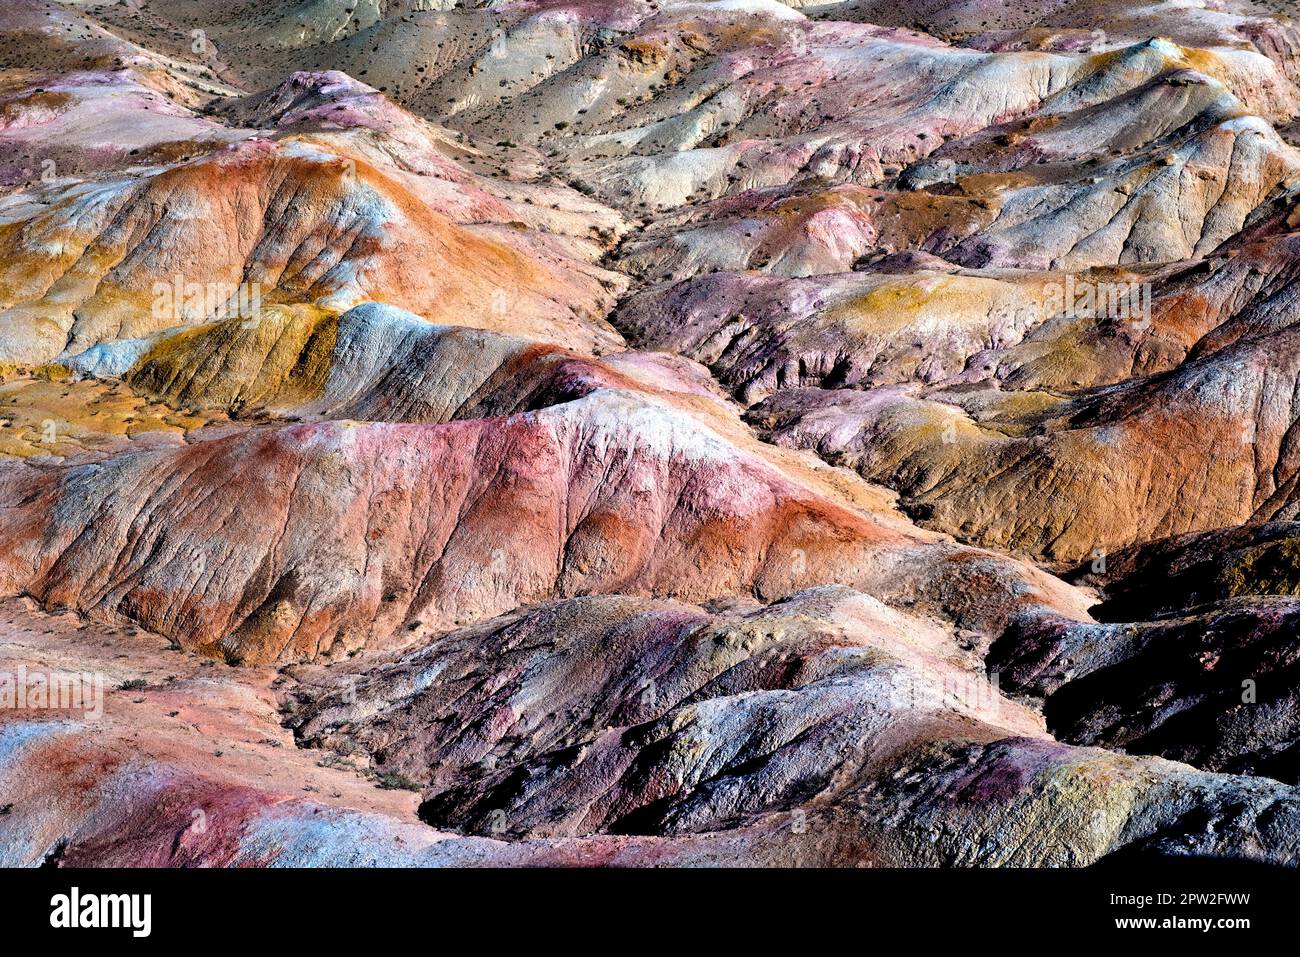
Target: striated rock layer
[{"x": 649, "y": 434}]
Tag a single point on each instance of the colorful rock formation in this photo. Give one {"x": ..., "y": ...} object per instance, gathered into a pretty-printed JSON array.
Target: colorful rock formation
[{"x": 661, "y": 434}]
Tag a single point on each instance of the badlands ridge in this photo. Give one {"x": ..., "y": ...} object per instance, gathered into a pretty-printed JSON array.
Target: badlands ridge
[{"x": 650, "y": 432}]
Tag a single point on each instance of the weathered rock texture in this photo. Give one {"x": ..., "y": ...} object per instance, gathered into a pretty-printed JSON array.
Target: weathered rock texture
[{"x": 739, "y": 432}]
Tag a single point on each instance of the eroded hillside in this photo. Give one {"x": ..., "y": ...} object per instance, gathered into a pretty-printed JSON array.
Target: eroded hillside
[{"x": 650, "y": 433}]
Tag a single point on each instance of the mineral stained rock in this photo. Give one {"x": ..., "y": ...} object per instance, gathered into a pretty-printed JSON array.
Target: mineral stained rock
[{"x": 703, "y": 432}]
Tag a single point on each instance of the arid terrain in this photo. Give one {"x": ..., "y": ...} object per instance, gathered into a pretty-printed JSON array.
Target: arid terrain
[{"x": 649, "y": 432}]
